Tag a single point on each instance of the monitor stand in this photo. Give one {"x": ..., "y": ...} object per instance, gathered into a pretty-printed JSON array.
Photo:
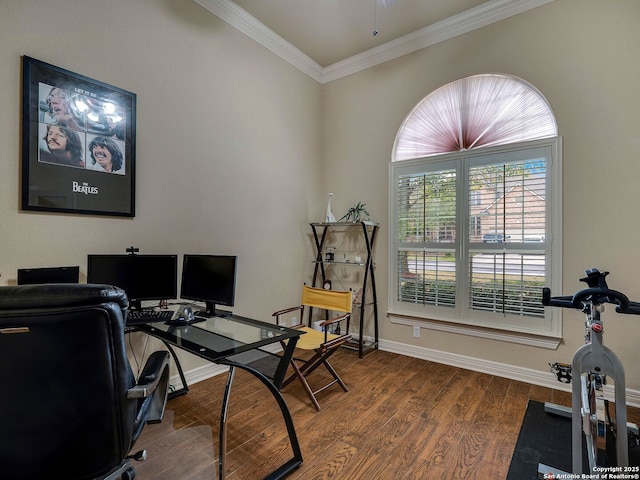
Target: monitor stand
[
  {"x": 211, "y": 311},
  {"x": 135, "y": 305}
]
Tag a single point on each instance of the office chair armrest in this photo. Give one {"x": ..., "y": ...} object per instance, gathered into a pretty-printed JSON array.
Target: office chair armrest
[{"x": 151, "y": 375}]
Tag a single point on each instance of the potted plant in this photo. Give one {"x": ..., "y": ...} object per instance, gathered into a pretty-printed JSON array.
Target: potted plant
[{"x": 355, "y": 214}]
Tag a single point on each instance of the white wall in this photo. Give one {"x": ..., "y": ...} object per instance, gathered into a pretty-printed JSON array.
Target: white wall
[
  {"x": 583, "y": 56},
  {"x": 228, "y": 142}
]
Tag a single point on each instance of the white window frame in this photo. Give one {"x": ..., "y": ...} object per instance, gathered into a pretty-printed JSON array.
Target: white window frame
[{"x": 545, "y": 332}]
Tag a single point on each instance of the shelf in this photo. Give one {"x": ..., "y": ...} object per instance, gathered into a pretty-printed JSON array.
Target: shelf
[
  {"x": 360, "y": 264},
  {"x": 366, "y": 346},
  {"x": 345, "y": 224}
]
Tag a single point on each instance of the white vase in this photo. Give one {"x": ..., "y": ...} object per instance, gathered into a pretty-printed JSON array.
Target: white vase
[{"x": 329, "y": 218}]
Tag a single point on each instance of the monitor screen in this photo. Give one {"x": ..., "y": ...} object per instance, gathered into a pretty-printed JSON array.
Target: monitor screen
[
  {"x": 142, "y": 277},
  {"x": 210, "y": 279},
  {"x": 34, "y": 276}
]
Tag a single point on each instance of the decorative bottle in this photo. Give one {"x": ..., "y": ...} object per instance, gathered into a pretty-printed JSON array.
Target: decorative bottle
[{"x": 329, "y": 217}]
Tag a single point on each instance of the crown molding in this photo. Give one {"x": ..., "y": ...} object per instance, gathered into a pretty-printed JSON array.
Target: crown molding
[
  {"x": 465, "y": 22},
  {"x": 490, "y": 12},
  {"x": 239, "y": 18}
]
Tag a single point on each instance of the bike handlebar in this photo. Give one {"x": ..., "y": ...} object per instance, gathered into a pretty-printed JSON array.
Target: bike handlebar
[
  {"x": 634, "y": 308},
  {"x": 601, "y": 295},
  {"x": 565, "y": 301},
  {"x": 597, "y": 295}
]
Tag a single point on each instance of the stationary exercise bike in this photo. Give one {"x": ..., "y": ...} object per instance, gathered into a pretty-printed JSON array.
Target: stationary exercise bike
[{"x": 607, "y": 442}]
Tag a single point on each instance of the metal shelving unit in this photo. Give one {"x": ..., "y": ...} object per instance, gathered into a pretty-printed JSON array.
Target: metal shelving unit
[{"x": 369, "y": 297}]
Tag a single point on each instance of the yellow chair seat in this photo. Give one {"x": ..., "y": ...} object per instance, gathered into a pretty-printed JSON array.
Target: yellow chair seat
[{"x": 313, "y": 339}]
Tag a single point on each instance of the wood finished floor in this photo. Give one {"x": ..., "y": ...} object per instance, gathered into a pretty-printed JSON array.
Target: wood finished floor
[{"x": 402, "y": 419}]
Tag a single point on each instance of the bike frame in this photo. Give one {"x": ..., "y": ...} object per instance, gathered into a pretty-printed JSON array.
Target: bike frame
[
  {"x": 592, "y": 363},
  {"x": 594, "y": 358}
]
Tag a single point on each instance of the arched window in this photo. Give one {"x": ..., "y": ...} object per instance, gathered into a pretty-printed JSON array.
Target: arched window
[
  {"x": 474, "y": 112},
  {"x": 475, "y": 198}
]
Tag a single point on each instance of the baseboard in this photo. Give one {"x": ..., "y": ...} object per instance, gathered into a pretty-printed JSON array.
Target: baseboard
[
  {"x": 198, "y": 374},
  {"x": 527, "y": 375}
]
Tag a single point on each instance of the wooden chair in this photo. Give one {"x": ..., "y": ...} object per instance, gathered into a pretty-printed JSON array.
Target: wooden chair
[{"x": 322, "y": 343}]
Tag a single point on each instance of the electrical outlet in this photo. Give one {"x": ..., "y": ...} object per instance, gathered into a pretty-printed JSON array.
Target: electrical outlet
[{"x": 416, "y": 331}]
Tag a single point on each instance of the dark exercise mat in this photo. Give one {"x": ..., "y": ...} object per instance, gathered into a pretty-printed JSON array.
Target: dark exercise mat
[{"x": 546, "y": 438}]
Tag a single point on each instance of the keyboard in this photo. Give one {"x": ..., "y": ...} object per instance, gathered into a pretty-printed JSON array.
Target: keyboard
[{"x": 136, "y": 317}]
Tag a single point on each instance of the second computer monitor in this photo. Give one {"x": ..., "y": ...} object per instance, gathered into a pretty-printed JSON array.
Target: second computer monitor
[
  {"x": 210, "y": 279},
  {"x": 142, "y": 277}
]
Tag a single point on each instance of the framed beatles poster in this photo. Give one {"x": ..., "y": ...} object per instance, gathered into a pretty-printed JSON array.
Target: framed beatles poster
[{"x": 78, "y": 143}]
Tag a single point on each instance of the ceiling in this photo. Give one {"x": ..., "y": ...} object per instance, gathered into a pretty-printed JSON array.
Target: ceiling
[
  {"x": 328, "y": 39},
  {"x": 331, "y": 30}
]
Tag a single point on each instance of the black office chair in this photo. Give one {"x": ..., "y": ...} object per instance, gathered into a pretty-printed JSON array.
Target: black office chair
[{"x": 71, "y": 407}]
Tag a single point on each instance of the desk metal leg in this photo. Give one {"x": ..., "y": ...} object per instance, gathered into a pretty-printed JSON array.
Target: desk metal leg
[
  {"x": 288, "y": 466},
  {"x": 185, "y": 387},
  {"x": 223, "y": 424}
]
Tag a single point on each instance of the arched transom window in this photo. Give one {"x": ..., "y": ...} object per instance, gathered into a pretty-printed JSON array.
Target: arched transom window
[{"x": 473, "y": 112}]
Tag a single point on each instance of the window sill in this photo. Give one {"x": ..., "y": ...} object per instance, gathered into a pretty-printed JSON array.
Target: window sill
[{"x": 540, "y": 341}]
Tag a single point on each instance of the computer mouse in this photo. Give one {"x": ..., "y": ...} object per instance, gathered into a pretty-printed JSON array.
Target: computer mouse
[{"x": 186, "y": 315}]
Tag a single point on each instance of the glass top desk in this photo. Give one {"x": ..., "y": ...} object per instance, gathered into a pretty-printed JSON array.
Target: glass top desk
[{"x": 234, "y": 341}]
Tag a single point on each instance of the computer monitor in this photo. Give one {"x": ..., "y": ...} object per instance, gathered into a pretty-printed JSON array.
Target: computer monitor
[
  {"x": 142, "y": 277},
  {"x": 210, "y": 279},
  {"x": 34, "y": 276}
]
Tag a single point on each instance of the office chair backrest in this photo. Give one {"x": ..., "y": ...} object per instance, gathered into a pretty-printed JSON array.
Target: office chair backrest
[
  {"x": 333, "y": 300},
  {"x": 65, "y": 376}
]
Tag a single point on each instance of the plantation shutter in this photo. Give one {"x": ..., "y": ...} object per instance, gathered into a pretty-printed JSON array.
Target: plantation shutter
[
  {"x": 508, "y": 263},
  {"x": 426, "y": 228}
]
